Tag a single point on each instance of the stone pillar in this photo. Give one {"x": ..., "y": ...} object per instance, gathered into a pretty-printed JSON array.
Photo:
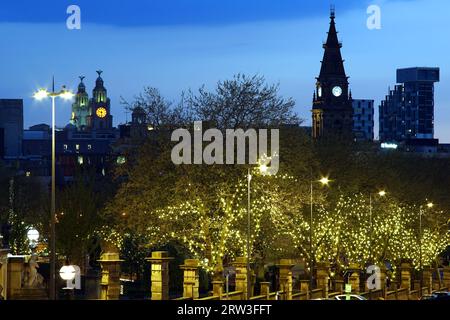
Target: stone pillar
[
  {"x": 405, "y": 273},
  {"x": 339, "y": 285},
  {"x": 241, "y": 275},
  {"x": 304, "y": 287},
  {"x": 427, "y": 278},
  {"x": 110, "y": 280},
  {"x": 285, "y": 267},
  {"x": 3, "y": 273},
  {"x": 190, "y": 278},
  {"x": 446, "y": 277},
  {"x": 14, "y": 275},
  {"x": 265, "y": 289},
  {"x": 218, "y": 289},
  {"x": 323, "y": 277},
  {"x": 354, "y": 279},
  {"x": 160, "y": 275},
  {"x": 383, "y": 281}
]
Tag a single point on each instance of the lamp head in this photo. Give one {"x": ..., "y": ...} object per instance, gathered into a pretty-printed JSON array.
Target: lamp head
[
  {"x": 382, "y": 193},
  {"x": 41, "y": 94},
  {"x": 66, "y": 94},
  {"x": 67, "y": 273},
  {"x": 325, "y": 181},
  {"x": 33, "y": 235},
  {"x": 263, "y": 169}
]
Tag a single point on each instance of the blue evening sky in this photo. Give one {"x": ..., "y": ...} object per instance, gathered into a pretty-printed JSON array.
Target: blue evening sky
[{"x": 175, "y": 45}]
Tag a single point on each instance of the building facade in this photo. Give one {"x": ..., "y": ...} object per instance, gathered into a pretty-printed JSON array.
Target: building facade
[
  {"x": 85, "y": 142},
  {"x": 332, "y": 112},
  {"x": 11, "y": 128},
  {"x": 407, "y": 113},
  {"x": 363, "y": 119}
]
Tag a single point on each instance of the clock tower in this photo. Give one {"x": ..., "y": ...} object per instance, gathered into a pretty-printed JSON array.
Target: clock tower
[
  {"x": 80, "y": 108},
  {"x": 332, "y": 113},
  {"x": 100, "y": 107}
]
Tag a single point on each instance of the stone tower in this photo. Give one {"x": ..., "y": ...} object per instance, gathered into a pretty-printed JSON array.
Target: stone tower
[{"x": 332, "y": 113}]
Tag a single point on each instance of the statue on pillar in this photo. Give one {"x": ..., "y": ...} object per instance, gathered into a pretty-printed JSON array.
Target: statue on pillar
[{"x": 31, "y": 277}]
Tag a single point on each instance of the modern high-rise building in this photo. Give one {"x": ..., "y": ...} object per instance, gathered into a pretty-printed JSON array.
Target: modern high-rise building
[
  {"x": 332, "y": 113},
  {"x": 11, "y": 128},
  {"x": 363, "y": 119},
  {"x": 407, "y": 113}
]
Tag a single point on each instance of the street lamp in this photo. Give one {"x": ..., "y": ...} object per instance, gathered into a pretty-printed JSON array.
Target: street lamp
[
  {"x": 325, "y": 182},
  {"x": 430, "y": 205},
  {"x": 382, "y": 194},
  {"x": 68, "y": 274},
  {"x": 33, "y": 237},
  {"x": 263, "y": 170},
  {"x": 40, "y": 95}
]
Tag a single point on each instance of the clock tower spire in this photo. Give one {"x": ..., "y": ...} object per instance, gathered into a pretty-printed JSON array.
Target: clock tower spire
[
  {"x": 332, "y": 106},
  {"x": 100, "y": 118}
]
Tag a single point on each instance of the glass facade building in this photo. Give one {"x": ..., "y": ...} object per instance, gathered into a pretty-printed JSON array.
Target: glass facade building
[{"x": 407, "y": 113}]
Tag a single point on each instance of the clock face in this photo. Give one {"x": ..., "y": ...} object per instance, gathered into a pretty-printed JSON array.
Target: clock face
[
  {"x": 101, "y": 112},
  {"x": 337, "y": 91}
]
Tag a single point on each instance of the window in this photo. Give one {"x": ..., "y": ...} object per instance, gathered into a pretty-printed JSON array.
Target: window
[
  {"x": 80, "y": 160},
  {"x": 77, "y": 147},
  {"x": 89, "y": 146},
  {"x": 65, "y": 147}
]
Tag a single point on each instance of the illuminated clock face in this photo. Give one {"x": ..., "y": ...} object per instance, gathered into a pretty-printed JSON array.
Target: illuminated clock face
[
  {"x": 101, "y": 112},
  {"x": 337, "y": 91}
]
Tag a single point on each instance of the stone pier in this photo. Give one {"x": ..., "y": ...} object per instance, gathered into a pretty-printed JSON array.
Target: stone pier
[
  {"x": 191, "y": 269},
  {"x": 285, "y": 267},
  {"x": 241, "y": 276},
  {"x": 110, "y": 277},
  {"x": 3, "y": 273},
  {"x": 160, "y": 275}
]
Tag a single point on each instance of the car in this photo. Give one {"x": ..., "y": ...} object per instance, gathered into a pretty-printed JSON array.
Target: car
[
  {"x": 427, "y": 297},
  {"x": 349, "y": 297},
  {"x": 437, "y": 296}
]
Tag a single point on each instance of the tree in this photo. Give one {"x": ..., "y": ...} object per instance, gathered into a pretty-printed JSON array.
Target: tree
[
  {"x": 203, "y": 208},
  {"x": 79, "y": 217}
]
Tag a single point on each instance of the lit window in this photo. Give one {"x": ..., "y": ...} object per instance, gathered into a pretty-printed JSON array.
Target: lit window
[
  {"x": 80, "y": 160},
  {"x": 77, "y": 147},
  {"x": 89, "y": 146},
  {"x": 65, "y": 147},
  {"x": 28, "y": 174}
]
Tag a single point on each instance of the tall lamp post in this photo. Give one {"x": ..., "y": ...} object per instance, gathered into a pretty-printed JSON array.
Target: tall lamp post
[
  {"x": 381, "y": 193},
  {"x": 324, "y": 181},
  {"x": 430, "y": 205},
  {"x": 42, "y": 94},
  {"x": 264, "y": 170}
]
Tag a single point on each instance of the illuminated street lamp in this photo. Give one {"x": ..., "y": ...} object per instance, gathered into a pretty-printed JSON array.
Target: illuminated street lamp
[
  {"x": 325, "y": 182},
  {"x": 33, "y": 237},
  {"x": 430, "y": 206},
  {"x": 40, "y": 95},
  {"x": 67, "y": 273},
  {"x": 382, "y": 194},
  {"x": 263, "y": 170}
]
